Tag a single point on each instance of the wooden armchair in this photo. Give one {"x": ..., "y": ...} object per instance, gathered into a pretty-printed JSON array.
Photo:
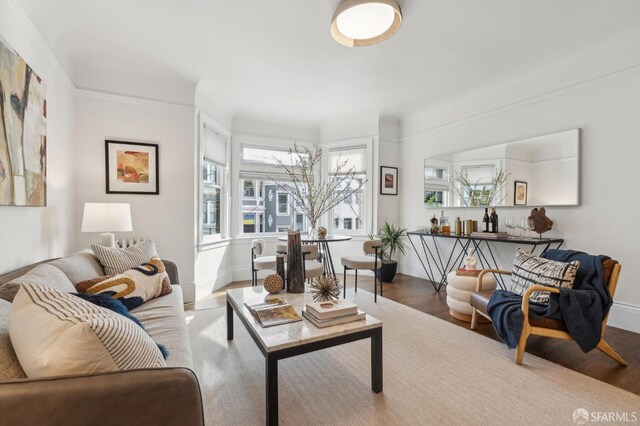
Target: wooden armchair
[{"x": 545, "y": 326}]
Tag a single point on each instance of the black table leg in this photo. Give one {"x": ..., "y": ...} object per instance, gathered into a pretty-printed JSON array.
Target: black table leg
[
  {"x": 271, "y": 389},
  {"x": 229, "y": 321},
  {"x": 376, "y": 361}
]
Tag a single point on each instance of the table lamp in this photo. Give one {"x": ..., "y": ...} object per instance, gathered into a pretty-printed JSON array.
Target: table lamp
[{"x": 106, "y": 218}]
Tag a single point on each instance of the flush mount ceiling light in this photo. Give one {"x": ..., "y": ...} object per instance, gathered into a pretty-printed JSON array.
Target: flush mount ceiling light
[{"x": 358, "y": 23}]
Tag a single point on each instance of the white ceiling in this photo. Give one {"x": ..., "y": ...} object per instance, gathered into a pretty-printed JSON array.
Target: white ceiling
[{"x": 276, "y": 60}]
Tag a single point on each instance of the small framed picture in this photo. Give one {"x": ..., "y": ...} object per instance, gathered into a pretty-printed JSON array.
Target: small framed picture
[
  {"x": 131, "y": 167},
  {"x": 520, "y": 193},
  {"x": 388, "y": 180}
]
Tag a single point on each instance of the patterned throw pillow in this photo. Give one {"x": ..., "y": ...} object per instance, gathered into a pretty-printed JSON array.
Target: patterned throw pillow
[
  {"x": 56, "y": 333},
  {"x": 132, "y": 287},
  {"x": 117, "y": 260},
  {"x": 529, "y": 270}
]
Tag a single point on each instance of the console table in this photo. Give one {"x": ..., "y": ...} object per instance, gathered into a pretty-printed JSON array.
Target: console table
[{"x": 433, "y": 253}]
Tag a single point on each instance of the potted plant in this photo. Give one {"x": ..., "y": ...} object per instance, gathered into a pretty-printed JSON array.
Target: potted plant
[{"x": 392, "y": 242}]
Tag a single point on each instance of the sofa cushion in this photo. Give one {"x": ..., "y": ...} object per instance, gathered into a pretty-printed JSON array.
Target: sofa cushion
[
  {"x": 56, "y": 333},
  {"x": 164, "y": 320},
  {"x": 45, "y": 274},
  {"x": 529, "y": 270},
  {"x": 116, "y": 260},
  {"x": 9, "y": 365},
  {"x": 79, "y": 266},
  {"x": 137, "y": 285}
]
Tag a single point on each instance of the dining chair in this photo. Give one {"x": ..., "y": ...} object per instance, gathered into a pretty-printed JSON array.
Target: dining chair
[
  {"x": 261, "y": 263},
  {"x": 370, "y": 261}
]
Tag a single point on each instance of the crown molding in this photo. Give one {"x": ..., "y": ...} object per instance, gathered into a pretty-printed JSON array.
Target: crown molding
[
  {"x": 42, "y": 43},
  {"x": 95, "y": 94}
]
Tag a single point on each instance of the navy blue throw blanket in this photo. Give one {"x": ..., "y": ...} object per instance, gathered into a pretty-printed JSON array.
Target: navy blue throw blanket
[{"x": 582, "y": 308}]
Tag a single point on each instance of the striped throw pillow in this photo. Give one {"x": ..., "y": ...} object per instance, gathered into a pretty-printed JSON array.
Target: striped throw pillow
[
  {"x": 116, "y": 260},
  {"x": 529, "y": 270},
  {"x": 56, "y": 333}
]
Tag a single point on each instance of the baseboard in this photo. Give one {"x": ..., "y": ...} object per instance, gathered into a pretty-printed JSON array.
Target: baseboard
[
  {"x": 207, "y": 285},
  {"x": 625, "y": 316},
  {"x": 188, "y": 292}
]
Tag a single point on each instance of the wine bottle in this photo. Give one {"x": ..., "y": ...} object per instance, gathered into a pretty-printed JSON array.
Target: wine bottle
[
  {"x": 494, "y": 220},
  {"x": 485, "y": 219}
]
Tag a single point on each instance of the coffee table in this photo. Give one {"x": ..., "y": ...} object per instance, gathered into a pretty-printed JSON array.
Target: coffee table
[{"x": 297, "y": 338}]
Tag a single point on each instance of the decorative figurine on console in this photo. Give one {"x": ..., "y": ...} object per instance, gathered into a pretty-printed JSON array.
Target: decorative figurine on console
[{"x": 539, "y": 221}]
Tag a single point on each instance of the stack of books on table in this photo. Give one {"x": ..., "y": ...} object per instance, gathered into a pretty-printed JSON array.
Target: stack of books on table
[
  {"x": 326, "y": 314},
  {"x": 490, "y": 235}
]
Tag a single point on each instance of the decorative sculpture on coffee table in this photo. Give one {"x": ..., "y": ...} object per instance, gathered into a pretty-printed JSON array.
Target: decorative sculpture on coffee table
[
  {"x": 295, "y": 263},
  {"x": 539, "y": 221},
  {"x": 273, "y": 283},
  {"x": 325, "y": 288}
]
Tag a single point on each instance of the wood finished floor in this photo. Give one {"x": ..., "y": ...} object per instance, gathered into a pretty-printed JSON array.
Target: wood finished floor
[{"x": 419, "y": 294}]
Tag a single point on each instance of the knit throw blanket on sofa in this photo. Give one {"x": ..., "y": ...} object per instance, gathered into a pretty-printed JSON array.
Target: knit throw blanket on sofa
[{"x": 582, "y": 308}]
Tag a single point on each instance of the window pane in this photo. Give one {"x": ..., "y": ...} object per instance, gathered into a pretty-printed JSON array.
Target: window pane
[
  {"x": 348, "y": 214},
  {"x": 268, "y": 156},
  {"x": 211, "y": 211},
  {"x": 249, "y": 189},
  {"x": 249, "y": 224},
  {"x": 283, "y": 203},
  {"x": 270, "y": 211}
]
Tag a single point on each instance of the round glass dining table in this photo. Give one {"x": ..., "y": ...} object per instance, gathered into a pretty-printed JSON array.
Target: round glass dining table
[{"x": 323, "y": 248}]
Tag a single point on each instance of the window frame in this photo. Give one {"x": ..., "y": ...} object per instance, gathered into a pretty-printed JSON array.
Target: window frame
[
  {"x": 224, "y": 173},
  {"x": 367, "y": 217},
  {"x": 241, "y": 140}
]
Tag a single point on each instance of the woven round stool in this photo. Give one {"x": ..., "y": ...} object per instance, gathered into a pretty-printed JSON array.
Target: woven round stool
[{"x": 459, "y": 289}]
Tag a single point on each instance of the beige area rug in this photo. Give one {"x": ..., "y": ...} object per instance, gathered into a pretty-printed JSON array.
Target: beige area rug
[{"x": 435, "y": 373}]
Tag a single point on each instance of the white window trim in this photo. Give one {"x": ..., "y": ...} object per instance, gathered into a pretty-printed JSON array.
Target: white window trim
[
  {"x": 206, "y": 240},
  {"x": 367, "y": 217},
  {"x": 240, "y": 140}
]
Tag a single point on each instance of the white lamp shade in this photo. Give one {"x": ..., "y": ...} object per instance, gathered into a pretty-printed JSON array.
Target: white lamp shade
[{"x": 106, "y": 217}]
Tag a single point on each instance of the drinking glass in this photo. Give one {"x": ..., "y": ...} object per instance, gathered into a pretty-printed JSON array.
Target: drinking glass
[
  {"x": 523, "y": 223},
  {"x": 510, "y": 223}
]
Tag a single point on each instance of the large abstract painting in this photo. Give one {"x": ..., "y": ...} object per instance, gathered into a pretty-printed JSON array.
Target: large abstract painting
[{"x": 23, "y": 132}]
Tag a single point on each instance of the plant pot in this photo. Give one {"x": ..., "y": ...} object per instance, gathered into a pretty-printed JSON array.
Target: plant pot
[{"x": 388, "y": 271}]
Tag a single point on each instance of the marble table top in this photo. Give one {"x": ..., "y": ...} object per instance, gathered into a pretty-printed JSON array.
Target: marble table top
[{"x": 292, "y": 334}]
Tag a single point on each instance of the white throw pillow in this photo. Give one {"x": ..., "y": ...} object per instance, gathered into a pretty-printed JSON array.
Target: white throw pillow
[
  {"x": 55, "y": 333},
  {"x": 116, "y": 260}
]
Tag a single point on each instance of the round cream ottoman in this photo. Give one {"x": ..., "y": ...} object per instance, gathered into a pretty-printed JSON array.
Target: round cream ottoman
[{"x": 459, "y": 289}]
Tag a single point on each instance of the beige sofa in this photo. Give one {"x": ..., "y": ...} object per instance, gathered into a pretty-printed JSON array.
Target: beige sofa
[{"x": 162, "y": 396}]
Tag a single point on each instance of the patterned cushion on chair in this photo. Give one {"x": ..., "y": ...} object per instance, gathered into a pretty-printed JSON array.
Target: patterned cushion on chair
[{"x": 529, "y": 270}]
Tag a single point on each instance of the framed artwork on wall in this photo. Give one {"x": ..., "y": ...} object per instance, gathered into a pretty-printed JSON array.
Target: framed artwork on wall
[
  {"x": 131, "y": 167},
  {"x": 23, "y": 132},
  {"x": 388, "y": 180},
  {"x": 520, "y": 193}
]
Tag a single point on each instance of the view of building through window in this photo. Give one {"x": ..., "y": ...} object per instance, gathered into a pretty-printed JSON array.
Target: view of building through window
[{"x": 211, "y": 190}]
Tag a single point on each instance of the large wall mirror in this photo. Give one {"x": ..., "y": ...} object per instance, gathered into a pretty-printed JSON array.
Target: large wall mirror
[{"x": 539, "y": 171}]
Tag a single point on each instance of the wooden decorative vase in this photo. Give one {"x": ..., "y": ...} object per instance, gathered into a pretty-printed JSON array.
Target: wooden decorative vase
[{"x": 295, "y": 263}]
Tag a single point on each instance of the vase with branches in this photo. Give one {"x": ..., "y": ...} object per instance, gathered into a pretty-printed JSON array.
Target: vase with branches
[
  {"x": 314, "y": 193},
  {"x": 475, "y": 195}
]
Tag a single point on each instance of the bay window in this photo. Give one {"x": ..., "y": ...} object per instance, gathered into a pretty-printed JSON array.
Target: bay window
[
  {"x": 213, "y": 148},
  {"x": 266, "y": 206}
]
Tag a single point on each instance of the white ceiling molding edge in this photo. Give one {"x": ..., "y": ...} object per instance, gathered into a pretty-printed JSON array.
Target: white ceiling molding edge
[{"x": 43, "y": 44}]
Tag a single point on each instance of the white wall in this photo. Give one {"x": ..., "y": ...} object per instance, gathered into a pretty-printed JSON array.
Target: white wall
[
  {"x": 30, "y": 234},
  {"x": 606, "y": 109},
  {"x": 168, "y": 218}
]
